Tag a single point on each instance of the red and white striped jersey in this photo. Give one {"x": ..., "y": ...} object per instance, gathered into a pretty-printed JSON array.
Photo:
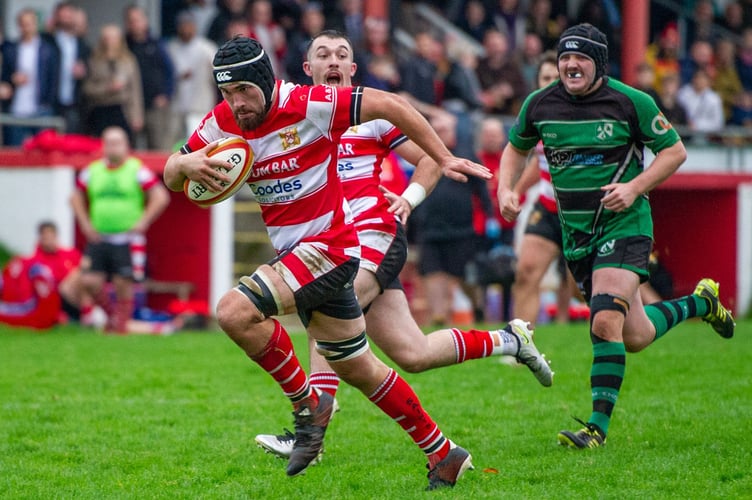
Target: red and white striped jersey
[
  {"x": 294, "y": 176},
  {"x": 361, "y": 152},
  {"x": 545, "y": 188}
]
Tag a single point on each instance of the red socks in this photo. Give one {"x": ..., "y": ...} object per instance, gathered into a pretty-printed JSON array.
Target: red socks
[
  {"x": 397, "y": 399},
  {"x": 279, "y": 360},
  {"x": 325, "y": 381}
]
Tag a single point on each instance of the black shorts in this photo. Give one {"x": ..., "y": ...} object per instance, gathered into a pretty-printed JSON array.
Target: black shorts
[
  {"x": 545, "y": 224},
  {"x": 631, "y": 253},
  {"x": 111, "y": 259},
  {"x": 387, "y": 274},
  {"x": 450, "y": 257},
  {"x": 332, "y": 294}
]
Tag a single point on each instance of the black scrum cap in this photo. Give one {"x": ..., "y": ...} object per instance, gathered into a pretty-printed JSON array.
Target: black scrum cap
[
  {"x": 243, "y": 59},
  {"x": 589, "y": 41}
]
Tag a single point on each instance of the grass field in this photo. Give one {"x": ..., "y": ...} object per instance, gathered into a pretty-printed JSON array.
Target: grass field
[{"x": 89, "y": 416}]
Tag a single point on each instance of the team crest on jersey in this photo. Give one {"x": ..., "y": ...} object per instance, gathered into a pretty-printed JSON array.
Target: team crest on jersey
[
  {"x": 604, "y": 131},
  {"x": 289, "y": 138},
  {"x": 607, "y": 248}
]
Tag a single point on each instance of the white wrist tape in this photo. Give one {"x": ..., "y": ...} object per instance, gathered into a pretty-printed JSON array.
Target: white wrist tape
[{"x": 414, "y": 194}]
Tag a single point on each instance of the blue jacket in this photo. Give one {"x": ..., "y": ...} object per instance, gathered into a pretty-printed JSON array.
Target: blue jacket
[{"x": 48, "y": 71}]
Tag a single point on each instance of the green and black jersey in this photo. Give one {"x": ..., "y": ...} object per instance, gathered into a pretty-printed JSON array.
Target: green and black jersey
[{"x": 589, "y": 142}]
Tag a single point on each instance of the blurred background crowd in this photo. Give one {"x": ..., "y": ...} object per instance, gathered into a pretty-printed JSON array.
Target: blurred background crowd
[
  {"x": 147, "y": 68},
  {"x": 467, "y": 65}
]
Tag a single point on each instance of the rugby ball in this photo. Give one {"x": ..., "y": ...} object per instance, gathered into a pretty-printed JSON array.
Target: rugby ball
[{"x": 237, "y": 153}]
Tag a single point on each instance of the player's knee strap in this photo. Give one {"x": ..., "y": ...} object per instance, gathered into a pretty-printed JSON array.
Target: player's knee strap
[
  {"x": 608, "y": 302},
  {"x": 258, "y": 293},
  {"x": 342, "y": 350}
]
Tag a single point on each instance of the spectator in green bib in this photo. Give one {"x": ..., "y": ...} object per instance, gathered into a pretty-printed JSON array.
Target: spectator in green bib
[
  {"x": 594, "y": 131},
  {"x": 115, "y": 201}
]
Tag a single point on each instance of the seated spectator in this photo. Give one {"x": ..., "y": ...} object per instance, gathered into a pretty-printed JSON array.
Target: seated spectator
[
  {"x": 744, "y": 59},
  {"x": 475, "y": 20},
  {"x": 376, "y": 40},
  {"x": 702, "y": 104},
  {"x": 541, "y": 22},
  {"x": 646, "y": 80},
  {"x": 311, "y": 23},
  {"x": 227, "y": 10},
  {"x": 433, "y": 82},
  {"x": 28, "y": 296},
  {"x": 348, "y": 18},
  {"x": 741, "y": 111},
  {"x": 733, "y": 18},
  {"x": 702, "y": 25},
  {"x": 31, "y": 287},
  {"x": 530, "y": 55},
  {"x": 63, "y": 263},
  {"x": 454, "y": 90},
  {"x": 270, "y": 34},
  {"x": 726, "y": 81},
  {"x": 501, "y": 80},
  {"x": 381, "y": 73},
  {"x": 700, "y": 56},
  {"x": 606, "y": 16},
  {"x": 508, "y": 18},
  {"x": 663, "y": 55},
  {"x": 668, "y": 99}
]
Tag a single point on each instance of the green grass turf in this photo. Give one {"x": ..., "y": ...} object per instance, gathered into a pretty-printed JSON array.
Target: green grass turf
[{"x": 84, "y": 415}]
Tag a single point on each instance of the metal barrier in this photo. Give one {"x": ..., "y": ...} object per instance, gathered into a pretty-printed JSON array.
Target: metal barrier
[{"x": 54, "y": 122}]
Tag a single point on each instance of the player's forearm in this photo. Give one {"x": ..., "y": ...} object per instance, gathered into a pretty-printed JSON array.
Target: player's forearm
[
  {"x": 173, "y": 176},
  {"x": 396, "y": 110},
  {"x": 512, "y": 162},
  {"x": 427, "y": 174},
  {"x": 530, "y": 176},
  {"x": 663, "y": 166}
]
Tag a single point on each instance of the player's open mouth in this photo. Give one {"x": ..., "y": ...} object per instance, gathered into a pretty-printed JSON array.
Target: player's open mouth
[
  {"x": 574, "y": 74},
  {"x": 333, "y": 78}
]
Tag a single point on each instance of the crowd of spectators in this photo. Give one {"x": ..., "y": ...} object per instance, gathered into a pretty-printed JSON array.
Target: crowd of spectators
[{"x": 154, "y": 81}]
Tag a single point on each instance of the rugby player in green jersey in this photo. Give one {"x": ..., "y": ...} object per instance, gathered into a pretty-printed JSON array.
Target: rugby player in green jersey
[{"x": 594, "y": 130}]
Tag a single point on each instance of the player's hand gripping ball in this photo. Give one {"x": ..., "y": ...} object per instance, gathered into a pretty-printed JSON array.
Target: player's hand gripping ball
[{"x": 237, "y": 153}]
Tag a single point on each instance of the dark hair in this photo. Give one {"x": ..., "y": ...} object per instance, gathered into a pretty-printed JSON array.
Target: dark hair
[
  {"x": 46, "y": 224},
  {"x": 330, "y": 33}
]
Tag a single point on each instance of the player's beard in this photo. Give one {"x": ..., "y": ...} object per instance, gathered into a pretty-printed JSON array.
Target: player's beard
[{"x": 249, "y": 122}]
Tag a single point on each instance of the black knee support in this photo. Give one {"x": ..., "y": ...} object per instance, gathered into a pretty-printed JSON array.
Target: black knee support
[
  {"x": 342, "y": 350},
  {"x": 608, "y": 302},
  {"x": 258, "y": 293}
]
